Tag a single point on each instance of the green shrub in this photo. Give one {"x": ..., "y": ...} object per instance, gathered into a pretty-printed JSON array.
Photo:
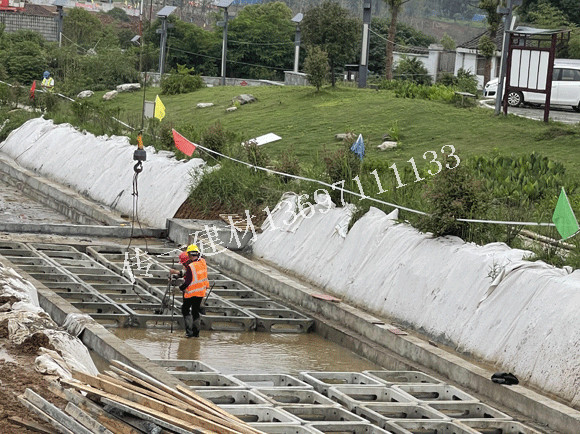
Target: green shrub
[
  {"x": 256, "y": 155},
  {"x": 447, "y": 79},
  {"x": 453, "y": 194},
  {"x": 411, "y": 69},
  {"x": 181, "y": 81},
  {"x": 466, "y": 81},
  {"x": 290, "y": 164},
  {"x": 216, "y": 138}
]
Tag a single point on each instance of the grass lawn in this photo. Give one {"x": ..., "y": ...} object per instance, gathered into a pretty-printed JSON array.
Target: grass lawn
[{"x": 307, "y": 121}]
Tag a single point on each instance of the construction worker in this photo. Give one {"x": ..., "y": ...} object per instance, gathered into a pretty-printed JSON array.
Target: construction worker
[
  {"x": 194, "y": 286},
  {"x": 47, "y": 82}
]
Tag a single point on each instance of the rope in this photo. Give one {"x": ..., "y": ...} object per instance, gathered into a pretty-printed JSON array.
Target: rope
[{"x": 334, "y": 187}]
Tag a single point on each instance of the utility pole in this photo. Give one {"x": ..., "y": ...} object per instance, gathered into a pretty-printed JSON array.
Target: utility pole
[
  {"x": 364, "y": 55},
  {"x": 508, "y": 24}
]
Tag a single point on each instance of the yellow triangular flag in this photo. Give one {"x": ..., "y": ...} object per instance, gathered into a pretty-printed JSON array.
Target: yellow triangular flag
[{"x": 159, "y": 108}]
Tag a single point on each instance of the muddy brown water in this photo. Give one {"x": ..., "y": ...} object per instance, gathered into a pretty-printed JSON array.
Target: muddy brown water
[{"x": 247, "y": 352}]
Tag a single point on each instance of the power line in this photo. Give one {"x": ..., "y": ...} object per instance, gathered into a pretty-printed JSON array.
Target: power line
[
  {"x": 261, "y": 44},
  {"x": 398, "y": 45},
  {"x": 228, "y": 61}
]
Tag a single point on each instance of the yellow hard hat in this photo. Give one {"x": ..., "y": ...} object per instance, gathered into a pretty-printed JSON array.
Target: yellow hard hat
[{"x": 192, "y": 248}]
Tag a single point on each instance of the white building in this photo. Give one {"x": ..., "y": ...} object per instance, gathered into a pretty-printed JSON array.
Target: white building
[{"x": 468, "y": 57}]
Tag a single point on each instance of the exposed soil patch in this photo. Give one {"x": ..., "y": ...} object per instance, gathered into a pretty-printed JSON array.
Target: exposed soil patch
[
  {"x": 15, "y": 378},
  {"x": 8, "y": 299},
  {"x": 32, "y": 343}
]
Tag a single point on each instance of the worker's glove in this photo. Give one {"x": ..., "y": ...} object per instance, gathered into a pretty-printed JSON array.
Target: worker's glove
[{"x": 174, "y": 281}]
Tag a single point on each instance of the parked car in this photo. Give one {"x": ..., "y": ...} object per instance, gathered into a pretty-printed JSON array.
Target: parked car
[{"x": 565, "y": 87}]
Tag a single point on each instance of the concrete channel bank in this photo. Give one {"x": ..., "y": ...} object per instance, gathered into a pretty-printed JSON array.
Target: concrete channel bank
[{"x": 379, "y": 341}]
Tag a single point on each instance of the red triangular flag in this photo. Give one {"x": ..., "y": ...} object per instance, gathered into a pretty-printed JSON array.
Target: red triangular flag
[
  {"x": 32, "y": 89},
  {"x": 183, "y": 144}
]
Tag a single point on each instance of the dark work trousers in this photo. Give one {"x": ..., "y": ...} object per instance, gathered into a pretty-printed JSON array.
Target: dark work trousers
[{"x": 190, "y": 311}]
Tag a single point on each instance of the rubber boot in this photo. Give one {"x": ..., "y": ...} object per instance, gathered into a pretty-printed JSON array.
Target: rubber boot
[
  {"x": 196, "y": 327},
  {"x": 189, "y": 331}
]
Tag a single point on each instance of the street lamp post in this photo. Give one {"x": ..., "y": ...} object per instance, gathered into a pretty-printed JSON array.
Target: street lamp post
[
  {"x": 224, "y": 4},
  {"x": 508, "y": 12},
  {"x": 297, "y": 19},
  {"x": 163, "y": 14},
  {"x": 363, "y": 68},
  {"x": 59, "y": 9}
]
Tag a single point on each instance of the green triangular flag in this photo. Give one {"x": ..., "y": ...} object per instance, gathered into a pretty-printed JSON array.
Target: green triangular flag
[{"x": 564, "y": 217}]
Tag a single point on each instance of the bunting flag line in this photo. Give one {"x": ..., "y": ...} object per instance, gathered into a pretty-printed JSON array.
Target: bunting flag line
[
  {"x": 159, "y": 108},
  {"x": 183, "y": 144},
  {"x": 32, "y": 89},
  {"x": 564, "y": 217},
  {"x": 358, "y": 147}
]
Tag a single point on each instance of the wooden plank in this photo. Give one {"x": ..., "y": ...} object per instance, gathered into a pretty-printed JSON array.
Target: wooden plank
[
  {"x": 109, "y": 421},
  {"x": 188, "y": 395},
  {"x": 178, "y": 422},
  {"x": 150, "y": 418},
  {"x": 86, "y": 420},
  {"x": 143, "y": 383},
  {"x": 197, "y": 409},
  {"x": 191, "y": 394},
  {"x": 176, "y": 395},
  {"x": 138, "y": 389},
  {"x": 154, "y": 403},
  {"x": 58, "y": 426},
  {"x": 55, "y": 412},
  {"x": 29, "y": 424}
]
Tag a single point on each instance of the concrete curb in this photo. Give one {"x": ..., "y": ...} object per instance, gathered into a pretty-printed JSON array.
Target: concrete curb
[
  {"x": 56, "y": 196},
  {"x": 537, "y": 407},
  {"x": 94, "y": 336},
  {"x": 82, "y": 230}
]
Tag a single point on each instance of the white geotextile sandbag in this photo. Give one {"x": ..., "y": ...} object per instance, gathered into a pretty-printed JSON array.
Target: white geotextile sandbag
[
  {"x": 73, "y": 351},
  {"x": 13, "y": 284},
  {"x": 102, "y": 168},
  {"x": 51, "y": 363},
  {"x": 24, "y": 323},
  {"x": 75, "y": 323},
  {"x": 484, "y": 300}
]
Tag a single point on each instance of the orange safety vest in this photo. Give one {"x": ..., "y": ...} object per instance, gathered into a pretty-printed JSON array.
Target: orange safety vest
[{"x": 199, "y": 282}]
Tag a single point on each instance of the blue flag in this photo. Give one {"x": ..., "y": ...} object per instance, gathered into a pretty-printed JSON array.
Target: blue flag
[{"x": 358, "y": 147}]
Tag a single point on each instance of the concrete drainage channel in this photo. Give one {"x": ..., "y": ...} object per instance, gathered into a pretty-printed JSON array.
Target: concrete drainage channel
[
  {"x": 371, "y": 402},
  {"x": 345, "y": 402},
  {"x": 94, "y": 282}
]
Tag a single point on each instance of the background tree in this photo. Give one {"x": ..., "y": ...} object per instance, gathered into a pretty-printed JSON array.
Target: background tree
[
  {"x": 447, "y": 42},
  {"x": 486, "y": 47},
  {"x": 569, "y": 8},
  {"x": 261, "y": 35},
  {"x": 84, "y": 29},
  {"x": 331, "y": 28},
  {"x": 188, "y": 45},
  {"x": 22, "y": 55},
  {"x": 316, "y": 66},
  {"x": 493, "y": 22},
  {"x": 394, "y": 9},
  {"x": 547, "y": 15},
  {"x": 406, "y": 35}
]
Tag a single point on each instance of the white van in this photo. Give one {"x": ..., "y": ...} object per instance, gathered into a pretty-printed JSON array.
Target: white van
[{"x": 565, "y": 87}]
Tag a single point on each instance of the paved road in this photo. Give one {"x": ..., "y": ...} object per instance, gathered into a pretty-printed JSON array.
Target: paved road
[{"x": 560, "y": 114}]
